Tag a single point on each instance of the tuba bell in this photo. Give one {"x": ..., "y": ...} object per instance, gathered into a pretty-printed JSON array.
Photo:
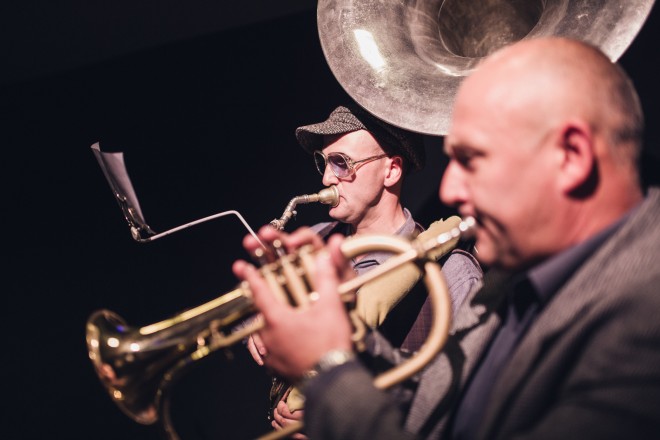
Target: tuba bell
[{"x": 403, "y": 60}]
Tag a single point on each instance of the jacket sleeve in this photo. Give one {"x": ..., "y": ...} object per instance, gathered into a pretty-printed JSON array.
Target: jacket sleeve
[{"x": 343, "y": 404}]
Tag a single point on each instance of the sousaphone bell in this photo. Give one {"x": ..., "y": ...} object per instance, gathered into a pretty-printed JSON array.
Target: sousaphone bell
[{"x": 403, "y": 60}]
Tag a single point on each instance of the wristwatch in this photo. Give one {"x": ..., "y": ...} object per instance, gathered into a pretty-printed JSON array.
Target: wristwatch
[{"x": 328, "y": 361}]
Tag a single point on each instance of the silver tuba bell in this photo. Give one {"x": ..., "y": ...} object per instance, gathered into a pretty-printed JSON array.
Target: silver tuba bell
[{"x": 403, "y": 60}]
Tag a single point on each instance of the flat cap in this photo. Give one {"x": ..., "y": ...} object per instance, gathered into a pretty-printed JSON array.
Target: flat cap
[{"x": 346, "y": 119}]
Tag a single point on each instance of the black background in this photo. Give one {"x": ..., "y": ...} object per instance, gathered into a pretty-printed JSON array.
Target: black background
[{"x": 205, "y": 113}]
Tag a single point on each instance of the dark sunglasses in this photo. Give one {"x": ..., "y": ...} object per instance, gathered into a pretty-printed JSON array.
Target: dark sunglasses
[{"x": 341, "y": 165}]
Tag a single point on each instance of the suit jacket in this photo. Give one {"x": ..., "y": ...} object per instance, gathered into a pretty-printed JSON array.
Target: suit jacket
[{"x": 588, "y": 367}]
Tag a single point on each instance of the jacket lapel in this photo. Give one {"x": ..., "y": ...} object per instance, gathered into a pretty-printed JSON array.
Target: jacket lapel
[{"x": 564, "y": 310}]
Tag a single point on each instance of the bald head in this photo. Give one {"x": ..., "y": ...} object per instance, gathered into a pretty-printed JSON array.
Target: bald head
[
  {"x": 545, "y": 81},
  {"x": 543, "y": 149}
]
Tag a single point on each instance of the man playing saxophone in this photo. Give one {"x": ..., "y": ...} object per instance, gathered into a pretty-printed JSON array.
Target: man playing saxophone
[{"x": 367, "y": 160}]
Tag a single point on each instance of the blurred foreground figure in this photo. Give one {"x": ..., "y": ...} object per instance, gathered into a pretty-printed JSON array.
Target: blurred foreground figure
[{"x": 563, "y": 340}]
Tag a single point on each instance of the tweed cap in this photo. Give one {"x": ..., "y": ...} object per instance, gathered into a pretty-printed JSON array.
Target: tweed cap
[{"x": 342, "y": 120}]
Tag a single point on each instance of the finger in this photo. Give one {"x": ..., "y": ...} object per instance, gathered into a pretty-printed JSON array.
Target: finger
[
  {"x": 329, "y": 307},
  {"x": 282, "y": 409},
  {"x": 254, "y": 351},
  {"x": 286, "y": 414},
  {"x": 327, "y": 280},
  {"x": 277, "y": 417},
  {"x": 238, "y": 268},
  {"x": 263, "y": 298},
  {"x": 259, "y": 345},
  {"x": 285, "y": 421},
  {"x": 301, "y": 237},
  {"x": 251, "y": 244},
  {"x": 267, "y": 234}
]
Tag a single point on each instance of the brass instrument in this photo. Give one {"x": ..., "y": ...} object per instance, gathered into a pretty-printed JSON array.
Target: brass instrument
[
  {"x": 139, "y": 365},
  {"x": 404, "y": 60},
  {"x": 327, "y": 196}
]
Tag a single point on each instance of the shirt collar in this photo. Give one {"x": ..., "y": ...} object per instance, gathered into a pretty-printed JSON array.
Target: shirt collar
[
  {"x": 409, "y": 226},
  {"x": 406, "y": 230}
]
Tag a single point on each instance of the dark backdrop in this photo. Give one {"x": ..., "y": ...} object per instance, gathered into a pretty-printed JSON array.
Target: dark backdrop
[{"x": 205, "y": 117}]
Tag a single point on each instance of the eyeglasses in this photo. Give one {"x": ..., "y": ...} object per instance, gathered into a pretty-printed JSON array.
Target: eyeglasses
[{"x": 341, "y": 165}]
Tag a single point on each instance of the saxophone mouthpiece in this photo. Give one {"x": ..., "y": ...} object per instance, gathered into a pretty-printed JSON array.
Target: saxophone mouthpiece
[{"x": 329, "y": 196}]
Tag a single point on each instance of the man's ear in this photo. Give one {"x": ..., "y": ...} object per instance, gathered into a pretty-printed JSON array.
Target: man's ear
[
  {"x": 394, "y": 172},
  {"x": 578, "y": 157}
]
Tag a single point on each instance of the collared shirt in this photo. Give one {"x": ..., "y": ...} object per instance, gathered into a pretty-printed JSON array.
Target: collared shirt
[
  {"x": 528, "y": 293},
  {"x": 409, "y": 229}
]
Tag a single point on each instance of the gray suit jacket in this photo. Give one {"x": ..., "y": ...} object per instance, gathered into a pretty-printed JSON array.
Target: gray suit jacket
[{"x": 589, "y": 366}]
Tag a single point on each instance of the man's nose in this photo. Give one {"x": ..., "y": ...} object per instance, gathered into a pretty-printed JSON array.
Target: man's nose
[
  {"x": 329, "y": 177},
  {"x": 452, "y": 191}
]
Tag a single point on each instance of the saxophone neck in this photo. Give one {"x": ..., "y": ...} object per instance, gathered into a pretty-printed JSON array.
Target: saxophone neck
[{"x": 327, "y": 196}]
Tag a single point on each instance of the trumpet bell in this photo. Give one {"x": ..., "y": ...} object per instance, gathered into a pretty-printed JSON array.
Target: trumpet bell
[
  {"x": 404, "y": 60},
  {"x": 137, "y": 365},
  {"x": 119, "y": 369}
]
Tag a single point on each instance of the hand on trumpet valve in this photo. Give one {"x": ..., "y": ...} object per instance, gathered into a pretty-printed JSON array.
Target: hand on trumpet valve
[
  {"x": 275, "y": 244},
  {"x": 295, "y": 338}
]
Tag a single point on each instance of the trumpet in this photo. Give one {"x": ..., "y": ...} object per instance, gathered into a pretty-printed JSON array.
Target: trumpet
[
  {"x": 139, "y": 365},
  {"x": 327, "y": 196}
]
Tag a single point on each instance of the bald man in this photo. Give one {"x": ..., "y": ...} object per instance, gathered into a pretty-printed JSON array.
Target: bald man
[{"x": 563, "y": 340}]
